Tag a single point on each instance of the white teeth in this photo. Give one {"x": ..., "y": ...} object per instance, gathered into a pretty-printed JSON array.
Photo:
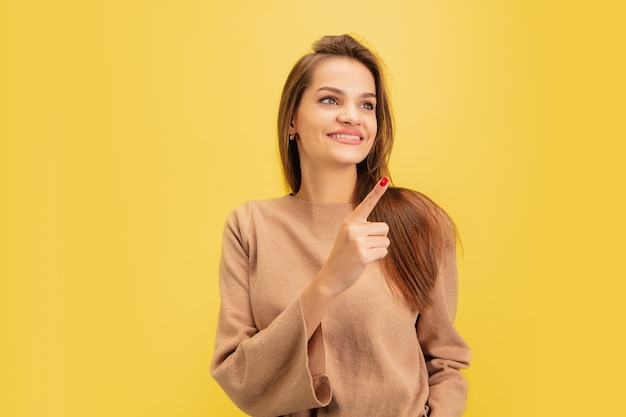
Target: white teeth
[{"x": 348, "y": 137}]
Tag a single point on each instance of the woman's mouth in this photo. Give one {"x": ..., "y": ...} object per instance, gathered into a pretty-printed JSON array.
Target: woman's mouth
[{"x": 345, "y": 137}]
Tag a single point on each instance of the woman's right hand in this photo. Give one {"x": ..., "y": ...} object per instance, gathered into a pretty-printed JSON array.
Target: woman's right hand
[{"x": 358, "y": 243}]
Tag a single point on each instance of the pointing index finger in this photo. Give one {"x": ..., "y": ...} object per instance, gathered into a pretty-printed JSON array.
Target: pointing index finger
[{"x": 363, "y": 210}]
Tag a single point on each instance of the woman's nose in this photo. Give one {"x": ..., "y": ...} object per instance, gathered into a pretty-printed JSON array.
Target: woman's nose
[{"x": 350, "y": 115}]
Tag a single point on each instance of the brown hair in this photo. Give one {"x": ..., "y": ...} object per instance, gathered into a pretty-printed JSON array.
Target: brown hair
[
  {"x": 419, "y": 230},
  {"x": 422, "y": 236},
  {"x": 372, "y": 168}
]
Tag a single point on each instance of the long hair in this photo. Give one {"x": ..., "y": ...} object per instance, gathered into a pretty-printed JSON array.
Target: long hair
[
  {"x": 422, "y": 236},
  {"x": 419, "y": 230},
  {"x": 375, "y": 165}
]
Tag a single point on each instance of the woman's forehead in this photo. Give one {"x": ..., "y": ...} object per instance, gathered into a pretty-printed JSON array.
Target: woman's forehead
[{"x": 343, "y": 73}]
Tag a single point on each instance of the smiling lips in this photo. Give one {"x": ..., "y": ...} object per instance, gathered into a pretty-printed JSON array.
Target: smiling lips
[{"x": 346, "y": 136}]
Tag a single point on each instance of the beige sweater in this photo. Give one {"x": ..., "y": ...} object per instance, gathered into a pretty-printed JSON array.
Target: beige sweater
[{"x": 371, "y": 356}]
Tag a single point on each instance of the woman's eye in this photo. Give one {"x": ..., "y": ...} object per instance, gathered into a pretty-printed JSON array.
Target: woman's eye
[
  {"x": 368, "y": 106},
  {"x": 328, "y": 100}
]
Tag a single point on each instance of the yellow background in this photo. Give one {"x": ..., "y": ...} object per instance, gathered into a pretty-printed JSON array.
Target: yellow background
[{"x": 129, "y": 129}]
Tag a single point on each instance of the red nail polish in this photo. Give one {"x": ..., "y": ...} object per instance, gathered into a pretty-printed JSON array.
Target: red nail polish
[{"x": 384, "y": 181}]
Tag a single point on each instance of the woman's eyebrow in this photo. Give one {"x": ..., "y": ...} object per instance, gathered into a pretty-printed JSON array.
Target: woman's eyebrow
[{"x": 343, "y": 93}]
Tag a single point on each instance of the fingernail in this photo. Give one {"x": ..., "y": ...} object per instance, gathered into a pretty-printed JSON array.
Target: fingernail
[{"x": 384, "y": 181}]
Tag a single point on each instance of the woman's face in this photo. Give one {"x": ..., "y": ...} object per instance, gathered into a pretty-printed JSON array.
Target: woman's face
[{"x": 336, "y": 119}]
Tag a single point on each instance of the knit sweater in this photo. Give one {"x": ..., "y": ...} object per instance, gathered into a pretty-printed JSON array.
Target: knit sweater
[{"x": 371, "y": 355}]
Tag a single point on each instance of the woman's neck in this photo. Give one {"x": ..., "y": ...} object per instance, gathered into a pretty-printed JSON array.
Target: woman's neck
[{"x": 328, "y": 187}]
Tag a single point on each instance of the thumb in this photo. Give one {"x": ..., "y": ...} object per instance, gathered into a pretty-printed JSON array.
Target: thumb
[{"x": 363, "y": 210}]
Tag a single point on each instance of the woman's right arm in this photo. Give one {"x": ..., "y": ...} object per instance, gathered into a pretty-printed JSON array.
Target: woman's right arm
[
  {"x": 280, "y": 369},
  {"x": 358, "y": 244},
  {"x": 266, "y": 372}
]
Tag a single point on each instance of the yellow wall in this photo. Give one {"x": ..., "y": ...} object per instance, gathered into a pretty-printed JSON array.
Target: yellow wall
[{"x": 129, "y": 129}]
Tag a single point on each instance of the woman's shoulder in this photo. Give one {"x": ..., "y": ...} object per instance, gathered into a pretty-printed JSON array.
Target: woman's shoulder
[
  {"x": 247, "y": 211},
  {"x": 262, "y": 204},
  {"x": 243, "y": 217}
]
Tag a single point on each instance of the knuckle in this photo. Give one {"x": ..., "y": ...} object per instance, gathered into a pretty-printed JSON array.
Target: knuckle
[
  {"x": 352, "y": 231},
  {"x": 381, "y": 253},
  {"x": 345, "y": 228}
]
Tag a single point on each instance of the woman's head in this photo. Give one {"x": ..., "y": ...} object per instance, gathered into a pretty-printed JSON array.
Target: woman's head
[{"x": 374, "y": 166}]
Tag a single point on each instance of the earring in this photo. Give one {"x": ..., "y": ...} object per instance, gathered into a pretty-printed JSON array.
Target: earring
[{"x": 292, "y": 137}]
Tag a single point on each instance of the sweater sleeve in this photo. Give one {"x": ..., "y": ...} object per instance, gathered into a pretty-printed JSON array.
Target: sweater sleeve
[
  {"x": 268, "y": 372},
  {"x": 444, "y": 350}
]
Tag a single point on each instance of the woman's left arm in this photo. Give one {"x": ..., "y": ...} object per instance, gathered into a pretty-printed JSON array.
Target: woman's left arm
[{"x": 446, "y": 353}]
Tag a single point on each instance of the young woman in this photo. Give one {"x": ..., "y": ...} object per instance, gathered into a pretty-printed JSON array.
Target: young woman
[{"x": 339, "y": 298}]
